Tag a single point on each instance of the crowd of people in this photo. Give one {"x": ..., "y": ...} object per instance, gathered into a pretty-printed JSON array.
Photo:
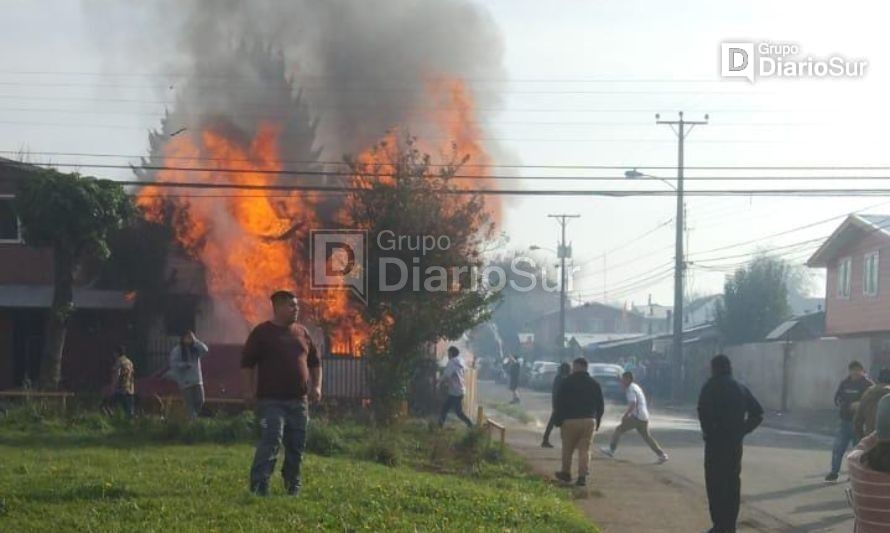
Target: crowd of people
[{"x": 282, "y": 373}]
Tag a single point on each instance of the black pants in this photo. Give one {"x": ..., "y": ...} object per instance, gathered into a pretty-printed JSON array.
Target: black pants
[
  {"x": 550, "y": 425},
  {"x": 454, "y": 403},
  {"x": 723, "y": 467}
]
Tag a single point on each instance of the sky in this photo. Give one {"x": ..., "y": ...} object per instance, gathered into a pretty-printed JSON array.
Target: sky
[{"x": 584, "y": 81}]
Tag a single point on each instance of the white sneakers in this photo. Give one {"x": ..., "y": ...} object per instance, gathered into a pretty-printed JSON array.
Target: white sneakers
[{"x": 609, "y": 452}]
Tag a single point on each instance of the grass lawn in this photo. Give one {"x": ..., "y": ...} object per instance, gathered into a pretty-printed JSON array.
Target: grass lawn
[{"x": 90, "y": 474}]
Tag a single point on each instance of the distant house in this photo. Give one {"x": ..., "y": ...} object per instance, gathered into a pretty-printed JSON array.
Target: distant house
[
  {"x": 100, "y": 321},
  {"x": 587, "y": 322},
  {"x": 658, "y": 318},
  {"x": 701, "y": 311},
  {"x": 857, "y": 259}
]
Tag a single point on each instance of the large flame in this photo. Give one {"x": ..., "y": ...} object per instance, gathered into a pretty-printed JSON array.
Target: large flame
[{"x": 251, "y": 241}]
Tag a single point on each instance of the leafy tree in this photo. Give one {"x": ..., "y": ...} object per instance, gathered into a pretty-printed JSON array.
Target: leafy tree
[
  {"x": 73, "y": 216},
  {"x": 404, "y": 194},
  {"x": 755, "y": 300}
]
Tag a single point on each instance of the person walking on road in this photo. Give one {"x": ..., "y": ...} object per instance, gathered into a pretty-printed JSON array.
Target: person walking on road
[
  {"x": 282, "y": 374},
  {"x": 453, "y": 378},
  {"x": 846, "y": 398},
  {"x": 185, "y": 369},
  {"x": 727, "y": 412},
  {"x": 866, "y": 414},
  {"x": 635, "y": 417},
  {"x": 579, "y": 412},
  {"x": 513, "y": 370},
  {"x": 564, "y": 370}
]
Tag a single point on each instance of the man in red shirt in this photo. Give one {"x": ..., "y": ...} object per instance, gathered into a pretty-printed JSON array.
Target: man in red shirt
[{"x": 282, "y": 373}]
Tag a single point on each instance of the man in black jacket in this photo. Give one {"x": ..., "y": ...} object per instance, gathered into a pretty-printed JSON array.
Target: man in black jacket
[
  {"x": 727, "y": 411},
  {"x": 846, "y": 398},
  {"x": 579, "y": 410}
]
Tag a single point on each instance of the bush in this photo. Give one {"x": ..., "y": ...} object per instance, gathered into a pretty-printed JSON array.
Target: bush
[
  {"x": 382, "y": 450},
  {"x": 324, "y": 439}
]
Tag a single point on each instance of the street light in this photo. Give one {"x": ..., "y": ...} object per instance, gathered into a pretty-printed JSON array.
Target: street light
[
  {"x": 635, "y": 175},
  {"x": 679, "y": 269}
]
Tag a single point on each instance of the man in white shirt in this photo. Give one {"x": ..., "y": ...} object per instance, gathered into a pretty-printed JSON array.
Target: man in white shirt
[
  {"x": 453, "y": 377},
  {"x": 635, "y": 417}
]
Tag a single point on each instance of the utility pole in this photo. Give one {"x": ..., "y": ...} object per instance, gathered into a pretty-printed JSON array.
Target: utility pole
[
  {"x": 563, "y": 252},
  {"x": 680, "y": 128}
]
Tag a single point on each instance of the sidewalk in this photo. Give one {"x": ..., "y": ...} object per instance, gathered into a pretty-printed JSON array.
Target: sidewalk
[{"x": 620, "y": 497}]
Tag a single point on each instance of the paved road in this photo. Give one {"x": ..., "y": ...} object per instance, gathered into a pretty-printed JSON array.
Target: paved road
[{"x": 782, "y": 471}]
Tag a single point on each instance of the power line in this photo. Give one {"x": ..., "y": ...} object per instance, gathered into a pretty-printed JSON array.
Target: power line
[{"x": 591, "y": 166}]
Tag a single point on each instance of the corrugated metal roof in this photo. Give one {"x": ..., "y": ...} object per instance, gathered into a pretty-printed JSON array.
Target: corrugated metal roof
[{"x": 41, "y": 297}]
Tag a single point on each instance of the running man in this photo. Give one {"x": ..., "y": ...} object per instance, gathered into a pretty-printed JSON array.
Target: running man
[{"x": 635, "y": 417}]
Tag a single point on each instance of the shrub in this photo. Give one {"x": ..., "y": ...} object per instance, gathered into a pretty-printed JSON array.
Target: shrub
[
  {"x": 324, "y": 439},
  {"x": 382, "y": 450}
]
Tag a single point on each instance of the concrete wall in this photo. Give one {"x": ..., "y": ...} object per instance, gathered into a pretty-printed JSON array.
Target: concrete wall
[{"x": 814, "y": 370}]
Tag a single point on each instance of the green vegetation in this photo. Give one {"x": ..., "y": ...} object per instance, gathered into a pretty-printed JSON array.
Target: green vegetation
[
  {"x": 93, "y": 473},
  {"x": 513, "y": 411}
]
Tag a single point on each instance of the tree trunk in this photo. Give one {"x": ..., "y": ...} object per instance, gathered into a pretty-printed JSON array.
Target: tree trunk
[{"x": 57, "y": 322}]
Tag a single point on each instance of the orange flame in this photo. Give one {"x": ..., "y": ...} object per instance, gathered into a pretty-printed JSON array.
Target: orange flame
[{"x": 249, "y": 240}]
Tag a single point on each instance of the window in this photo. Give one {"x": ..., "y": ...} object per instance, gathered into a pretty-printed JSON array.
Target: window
[
  {"x": 870, "y": 274},
  {"x": 843, "y": 277},
  {"x": 9, "y": 223}
]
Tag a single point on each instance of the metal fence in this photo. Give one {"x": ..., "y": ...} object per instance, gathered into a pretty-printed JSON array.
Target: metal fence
[{"x": 345, "y": 377}]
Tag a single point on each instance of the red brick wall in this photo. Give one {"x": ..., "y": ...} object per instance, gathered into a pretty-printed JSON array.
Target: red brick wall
[{"x": 860, "y": 313}]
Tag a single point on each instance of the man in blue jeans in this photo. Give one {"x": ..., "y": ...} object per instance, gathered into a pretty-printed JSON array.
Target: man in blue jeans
[
  {"x": 847, "y": 397},
  {"x": 282, "y": 374}
]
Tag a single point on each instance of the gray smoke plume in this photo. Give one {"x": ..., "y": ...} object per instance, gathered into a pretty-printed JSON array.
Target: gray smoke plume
[{"x": 361, "y": 67}]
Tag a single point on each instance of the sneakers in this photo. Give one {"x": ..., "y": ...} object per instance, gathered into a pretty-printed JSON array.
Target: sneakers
[
  {"x": 662, "y": 459},
  {"x": 831, "y": 477},
  {"x": 608, "y": 452},
  {"x": 293, "y": 489},
  {"x": 564, "y": 477},
  {"x": 582, "y": 481},
  {"x": 546, "y": 444}
]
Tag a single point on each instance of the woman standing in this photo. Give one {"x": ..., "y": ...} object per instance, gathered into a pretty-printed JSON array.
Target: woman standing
[{"x": 185, "y": 369}]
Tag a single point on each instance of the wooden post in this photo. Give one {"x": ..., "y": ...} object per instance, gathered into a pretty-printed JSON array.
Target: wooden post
[{"x": 480, "y": 416}]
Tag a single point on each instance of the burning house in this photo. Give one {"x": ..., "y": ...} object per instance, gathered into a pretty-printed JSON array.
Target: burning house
[{"x": 266, "y": 112}]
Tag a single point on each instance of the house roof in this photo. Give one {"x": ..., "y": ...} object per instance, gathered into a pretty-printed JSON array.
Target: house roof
[
  {"x": 654, "y": 311},
  {"x": 11, "y": 169},
  {"x": 41, "y": 297},
  {"x": 852, "y": 229},
  {"x": 583, "y": 307},
  {"x": 590, "y": 339},
  {"x": 807, "y": 326}
]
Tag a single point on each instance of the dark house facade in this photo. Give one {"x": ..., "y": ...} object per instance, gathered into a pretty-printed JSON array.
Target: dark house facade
[{"x": 100, "y": 321}]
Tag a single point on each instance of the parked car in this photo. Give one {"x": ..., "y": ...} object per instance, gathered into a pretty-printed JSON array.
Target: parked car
[
  {"x": 542, "y": 375},
  {"x": 609, "y": 378}
]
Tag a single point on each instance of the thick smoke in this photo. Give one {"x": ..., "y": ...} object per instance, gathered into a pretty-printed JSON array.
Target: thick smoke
[
  {"x": 335, "y": 76},
  {"x": 362, "y": 67}
]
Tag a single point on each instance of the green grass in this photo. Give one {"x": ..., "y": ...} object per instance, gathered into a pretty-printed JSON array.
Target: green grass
[
  {"x": 513, "y": 411},
  {"x": 94, "y": 474}
]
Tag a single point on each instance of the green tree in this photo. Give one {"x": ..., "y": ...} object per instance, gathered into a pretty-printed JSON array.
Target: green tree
[
  {"x": 73, "y": 216},
  {"x": 404, "y": 194},
  {"x": 755, "y": 300}
]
